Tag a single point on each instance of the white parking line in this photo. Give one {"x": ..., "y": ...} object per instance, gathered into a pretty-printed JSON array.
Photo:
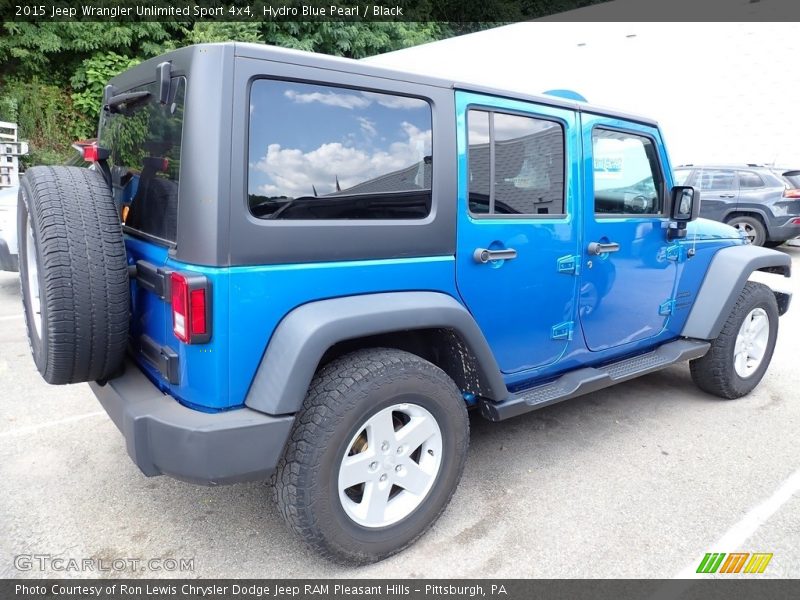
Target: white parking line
[
  {"x": 11, "y": 317},
  {"x": 741, "y": 531},
  {"x": 35, "y": 428}
]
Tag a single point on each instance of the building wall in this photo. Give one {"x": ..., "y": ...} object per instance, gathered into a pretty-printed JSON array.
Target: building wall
[{"x": 722, "y": 92}]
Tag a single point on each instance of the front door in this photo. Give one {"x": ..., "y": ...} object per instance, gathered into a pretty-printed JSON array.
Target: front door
[
  {"x": 628, "y": 274},
  {"x": 516, "y": 263},
  {"x": 720, "y": 192}
]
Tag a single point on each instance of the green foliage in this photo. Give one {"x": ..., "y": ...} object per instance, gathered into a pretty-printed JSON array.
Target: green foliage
[
  {"x": 52, "y": 74},
  {"x": 46, "y": 117},
  {"x": 90, "y": 79},
  {"x": 207, "y": 32}
]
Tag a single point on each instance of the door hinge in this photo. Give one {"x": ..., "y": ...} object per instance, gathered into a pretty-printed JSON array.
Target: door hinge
[
  {"x": 569, "y": 264},
  {"x": 155, "y": 279},
  {"x": 666, "y": 308},
  {"x": 676, "y": 252},
  {"x": 563, "y": 331}
]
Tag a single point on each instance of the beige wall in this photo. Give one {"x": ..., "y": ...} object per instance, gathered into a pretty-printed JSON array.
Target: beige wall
[{"x": 722, "y": 92}]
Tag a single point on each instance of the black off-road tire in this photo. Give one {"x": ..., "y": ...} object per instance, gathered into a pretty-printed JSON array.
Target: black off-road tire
[
  {"x": 715, "y": 372},
  {"x": 83, "y": 281},
  {"x": 344, "y": 395}
]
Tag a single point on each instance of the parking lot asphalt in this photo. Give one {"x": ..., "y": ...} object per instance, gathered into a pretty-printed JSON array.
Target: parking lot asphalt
[{"x": 639, "y": 480}]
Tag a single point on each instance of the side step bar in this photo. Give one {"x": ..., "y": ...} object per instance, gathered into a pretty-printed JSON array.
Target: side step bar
[{"x": 591, "y": 379}]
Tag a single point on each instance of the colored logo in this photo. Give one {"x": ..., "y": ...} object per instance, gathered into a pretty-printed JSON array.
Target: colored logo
[{"x": 736, "y": 562}]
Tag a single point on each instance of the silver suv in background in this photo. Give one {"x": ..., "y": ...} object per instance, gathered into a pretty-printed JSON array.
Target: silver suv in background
[
  {"x": 9, "y": 260},
  {"x": 761, "y": 202}
]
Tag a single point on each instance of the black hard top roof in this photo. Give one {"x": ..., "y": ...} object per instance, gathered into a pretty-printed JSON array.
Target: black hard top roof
[{"x": 335, "y": 63}]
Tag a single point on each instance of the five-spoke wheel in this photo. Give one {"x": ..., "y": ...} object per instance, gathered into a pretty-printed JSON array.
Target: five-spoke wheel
[{"x": 375, "y": 455}]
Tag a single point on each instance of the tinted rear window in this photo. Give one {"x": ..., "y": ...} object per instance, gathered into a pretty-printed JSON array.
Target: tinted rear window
[
  {"x": 793, "y": 177},
  {"x": 323, "y": 152},
  {"x": 145, "y": 143}
]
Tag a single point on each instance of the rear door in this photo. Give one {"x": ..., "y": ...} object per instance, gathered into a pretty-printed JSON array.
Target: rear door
[
  {"x": 627, "y": 277},
  {"x": 517, "y": 229}
]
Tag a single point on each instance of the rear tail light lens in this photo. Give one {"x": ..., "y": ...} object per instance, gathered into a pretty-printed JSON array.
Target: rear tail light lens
[
  {"x": 197, "y": 311},
  {"x": 90, "y": 153},
  {"x": 191, "y": 308},
  {"x": 793, "y": 193}
]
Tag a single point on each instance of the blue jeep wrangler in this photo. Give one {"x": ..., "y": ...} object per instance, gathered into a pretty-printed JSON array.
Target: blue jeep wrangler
[{"x": 302, "y": 266}]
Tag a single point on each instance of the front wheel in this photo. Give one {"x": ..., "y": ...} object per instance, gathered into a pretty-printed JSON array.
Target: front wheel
[
  {"x": 740, "y": 355},
  {"x": 375, "y": 455}
]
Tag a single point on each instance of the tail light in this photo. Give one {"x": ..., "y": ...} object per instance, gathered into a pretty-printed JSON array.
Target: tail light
[
  {"x": 90, "y": 153},
  {"x": 792, "y": 193},
  {"x": 191, "y": 307}
]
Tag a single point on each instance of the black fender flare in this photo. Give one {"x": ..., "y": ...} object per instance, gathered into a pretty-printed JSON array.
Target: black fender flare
[
  {"x": 748, "y": 210},
  {"x": 304, "y": 335},
  {"x": 724, "y": 280}
]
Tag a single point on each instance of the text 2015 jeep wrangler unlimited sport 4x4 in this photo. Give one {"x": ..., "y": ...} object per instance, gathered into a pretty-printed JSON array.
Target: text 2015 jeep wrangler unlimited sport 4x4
[{"x": 322, "y": 265}]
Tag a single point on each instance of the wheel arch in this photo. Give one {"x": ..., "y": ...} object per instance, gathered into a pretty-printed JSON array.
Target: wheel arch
[
  {"x": 432, "y": 325},
  {"x": 749, "y": 211},
  {"x": 725, "y": 278}
]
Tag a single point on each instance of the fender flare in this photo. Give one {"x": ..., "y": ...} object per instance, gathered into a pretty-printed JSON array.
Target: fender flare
[
  {"x": 307, "y": 332},
  {"x": 724, "y": 280},
  {"x": 745, "y": 211}
]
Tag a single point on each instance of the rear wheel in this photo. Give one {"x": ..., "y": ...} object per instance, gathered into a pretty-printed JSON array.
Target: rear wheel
[
  {"x": 740, "y": 355},
  {"x": 375, "y": 456},
  {"x": 752, "y": 228},
  {"x": 73, "y": 274}
]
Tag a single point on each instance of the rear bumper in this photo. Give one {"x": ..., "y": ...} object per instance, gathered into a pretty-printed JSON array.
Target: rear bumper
[
  {"x": 786, "y": 231},
  {"x": 8, "y": 261},
  {"x": 163, "y": 436}
]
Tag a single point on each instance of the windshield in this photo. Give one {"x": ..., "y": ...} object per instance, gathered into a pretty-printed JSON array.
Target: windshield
[{"x": 144, "y": 138}]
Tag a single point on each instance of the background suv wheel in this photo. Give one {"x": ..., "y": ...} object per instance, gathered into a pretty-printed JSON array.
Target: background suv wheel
[{"x": 752, "y": 227}]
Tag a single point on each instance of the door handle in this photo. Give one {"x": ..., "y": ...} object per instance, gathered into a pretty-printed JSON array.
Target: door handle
[
  {"x": 727, "y": 195},
  {"x": 483, "y": 256},
  {"x": 597, "y": 248}
]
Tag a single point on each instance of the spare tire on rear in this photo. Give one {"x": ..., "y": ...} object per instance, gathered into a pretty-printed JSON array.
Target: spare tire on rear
[{"x": 74, "y": 274}]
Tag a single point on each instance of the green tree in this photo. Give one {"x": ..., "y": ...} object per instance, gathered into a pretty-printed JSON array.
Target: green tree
[{"x": 90, "y": 79}]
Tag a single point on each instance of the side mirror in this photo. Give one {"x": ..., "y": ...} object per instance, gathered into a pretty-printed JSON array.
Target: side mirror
[
  {"x": 685, "y": 204},
  {"x": 685, "y": 207}
]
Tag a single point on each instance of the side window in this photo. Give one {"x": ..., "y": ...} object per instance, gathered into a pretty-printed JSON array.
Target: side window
[
  {"x": 748, "y": 179},
  {"x": 627, "y": 176},
  {"x": 516, "y": 164},
  {"x": 717, "y": 179},
  {"x": 322, "y": 152},
  {"x": 681, "y": 176}
]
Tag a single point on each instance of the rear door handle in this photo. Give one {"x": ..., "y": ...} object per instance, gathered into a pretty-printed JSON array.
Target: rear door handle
[
  {"x": 483, "y": 256},
  {"x": 597, "y": 248}
]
